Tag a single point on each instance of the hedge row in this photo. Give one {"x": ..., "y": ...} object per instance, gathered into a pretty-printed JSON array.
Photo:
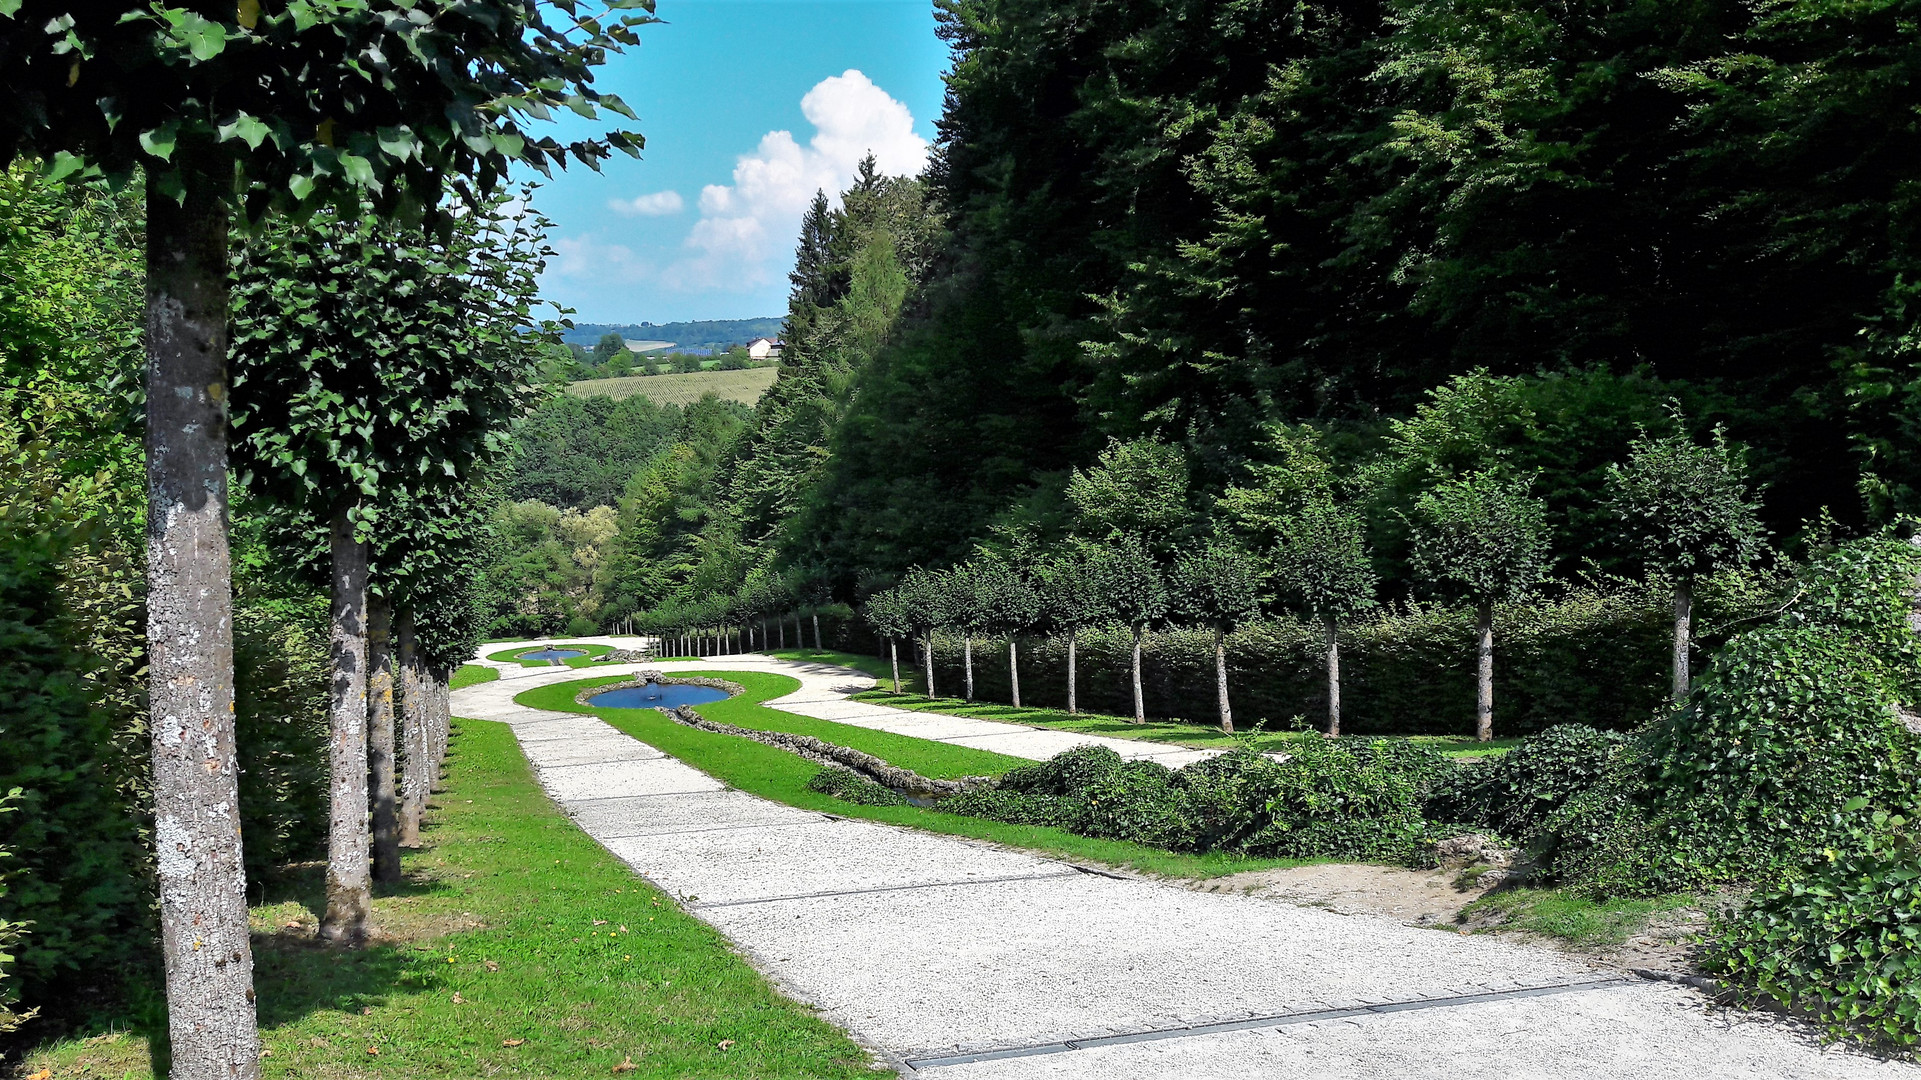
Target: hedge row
[{"x": 1590, "y": 657}]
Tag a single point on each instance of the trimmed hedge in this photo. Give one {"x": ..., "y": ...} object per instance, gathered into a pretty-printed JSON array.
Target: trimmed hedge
[{"x": 1599, "y": 659}]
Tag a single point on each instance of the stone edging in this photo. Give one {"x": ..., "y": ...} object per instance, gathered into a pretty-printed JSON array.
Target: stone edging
[
  {"x": 826, "y": 753},
  {"x": 642, "y": 678}
]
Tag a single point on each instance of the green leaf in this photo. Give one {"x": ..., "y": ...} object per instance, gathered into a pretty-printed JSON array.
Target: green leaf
[
  {"x": 248, "y": 129},
  {"x": 10, "y": 8},
  {"x": 358, "y": 170},
  {"x": 160, "y": 141},
  {"x": 64, "y": 165},
  {"x": 301, "y": 186}
]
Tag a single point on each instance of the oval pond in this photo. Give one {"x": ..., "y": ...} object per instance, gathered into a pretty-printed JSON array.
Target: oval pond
[
  {"x": 655, "y": 696},
  {"x": 551, "y": 654}
]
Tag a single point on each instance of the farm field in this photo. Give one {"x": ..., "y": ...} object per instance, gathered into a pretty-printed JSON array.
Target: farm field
[{"x": 682, "y": 389}]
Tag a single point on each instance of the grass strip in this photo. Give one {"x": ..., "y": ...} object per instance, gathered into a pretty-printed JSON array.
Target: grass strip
[
  {"x": 1575, "y": 919},
  {"x": 776, "y": 774},
  {"x": 510, "y": 656},
  {"x": 516, "y": 947},
  {"x": 470, "y": 674}
]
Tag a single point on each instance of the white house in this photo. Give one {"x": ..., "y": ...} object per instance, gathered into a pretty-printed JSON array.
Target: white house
[{"x": 764, "y": 349}]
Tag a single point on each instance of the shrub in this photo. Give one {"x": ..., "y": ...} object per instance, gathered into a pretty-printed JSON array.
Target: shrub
[
  {"x": 1513, "y": 794},
  {"x": 849, "y": 786},
  {"x": 1016, "y": 807},
  {"x": 1137, "y": 802},
  {"x": 1842, "y": 942},
  {"x": 1791, "y": 721},
  {"x": 581, "y": 626},
  {"x": 1347, "y": 799}
]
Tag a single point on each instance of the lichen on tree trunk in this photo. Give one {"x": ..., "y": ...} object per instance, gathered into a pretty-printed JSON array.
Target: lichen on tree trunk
[
  {"x": 1333, "y": 628},
  {"x": 1220, "y": 679},
  {"x": 413, "y": 728},
  {"x": 1140, "y": 699},
  {"x": 380, "y": 740},
  {"x": 1073, "y": 704},
  {"x": 1484, "y": 682},
  {"x": 967, "y": 665},
  {"x": 1683, "y": 634},
  {"x": 927, "y": 659},
  {"x": 1014, "y": 668},
  {"x": 349, "y": 887},
  {"x": 201, "y": 878}
]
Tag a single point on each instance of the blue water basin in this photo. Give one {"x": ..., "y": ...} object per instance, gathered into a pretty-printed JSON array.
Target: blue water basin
[
  {"x": 656, "y": 696},
  {"x": 551, "y": 654}
]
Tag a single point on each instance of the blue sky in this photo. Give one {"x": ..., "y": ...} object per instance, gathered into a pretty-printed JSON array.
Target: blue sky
[{"x": 703, "y": 227}]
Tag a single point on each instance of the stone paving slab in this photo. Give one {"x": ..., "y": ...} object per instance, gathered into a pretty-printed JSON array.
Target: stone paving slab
[
  {"x": 611, "y": 819},
  {"x": 660, "y": 776},
  {"x": 551, "y": 753},
  {"x": 1632, "y": 1032},
  {"x": 1088, "y": 955},
  {"x": 572, "y": 729},
  {"x": 824, "y": 857}
]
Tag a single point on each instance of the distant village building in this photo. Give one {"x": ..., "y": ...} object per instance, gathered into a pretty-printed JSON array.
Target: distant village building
[{"x": 764, "y": 349}]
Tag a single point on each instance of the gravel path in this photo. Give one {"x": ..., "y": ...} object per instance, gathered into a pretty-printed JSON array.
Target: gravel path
[{"x": 962, "y": 960}]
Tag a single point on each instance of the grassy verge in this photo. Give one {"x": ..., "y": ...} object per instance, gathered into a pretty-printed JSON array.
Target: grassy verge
[
  {"x": 509, "y": 656},
  {"x": 1199, "y": 736},
  {"x": 775, "y": 774},
  {"x": 469, "y": 674},
  {"x": 1581, "y": 922},
  {"x": 517, "y": 947}
]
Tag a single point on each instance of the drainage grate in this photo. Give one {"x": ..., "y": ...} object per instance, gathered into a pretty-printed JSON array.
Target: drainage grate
[{"x": 1277, "y": 1020}]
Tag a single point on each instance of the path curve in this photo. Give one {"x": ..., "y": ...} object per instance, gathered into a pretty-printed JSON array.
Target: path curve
[{"x": 966, "y": 961}]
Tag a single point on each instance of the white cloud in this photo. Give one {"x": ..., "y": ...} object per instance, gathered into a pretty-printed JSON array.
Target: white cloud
[
  {"x": 594, "y": 260},
  {"x": 755, "y": 221},
  {"x": 658, "y": 204}
]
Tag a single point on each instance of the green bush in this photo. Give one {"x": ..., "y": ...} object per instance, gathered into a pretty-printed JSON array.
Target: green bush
[
  {"x": 1841, "y": 942},
  {"x": 1791, "y": 721},
  {"x": 582, "y": 626},
  {"x": 1513, "y": 794},
  {"x": 849, "y": 786},
  {"x": 1354, "y": 798}
]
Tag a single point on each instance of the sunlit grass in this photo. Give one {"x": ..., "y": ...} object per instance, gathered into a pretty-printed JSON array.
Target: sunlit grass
[
  {"x": 589, "y": 652},
  {"x": 469, "y": 674},
  {"x": 517, "y": 947},
  {"x": 776, "y": 774},
  {"x": 1574, "y": 919}
]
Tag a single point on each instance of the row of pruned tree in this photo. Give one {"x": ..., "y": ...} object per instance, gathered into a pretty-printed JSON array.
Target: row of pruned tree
[
  {"x": 251, "y": 112},
  {"x": 1294, "y": 538},
  {"x": 754, "y": 616}
]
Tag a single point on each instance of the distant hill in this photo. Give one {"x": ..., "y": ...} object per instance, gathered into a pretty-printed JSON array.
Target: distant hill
[{"x": 690, "y": 337}]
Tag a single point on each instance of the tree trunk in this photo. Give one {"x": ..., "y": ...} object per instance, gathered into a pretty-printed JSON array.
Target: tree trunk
[
  {"x": 443, "y": 723},
  {"x": 967, "y": 664},
  {"x": 349, "y": 890},
  {"x": 1073, "y": 706},
  {"x": 413, "y": 728},
  {"x": 1484, "y": 696},
  {"x": 893, "y": 653},
  {"x": 1014, "y": 668},
  {"x": 1140, "y": 700},
  {"x": 196, "y": 788},
  {"x": 927, "y": 658},
  {"x": 800, "y": 639},
  {"x": 380, "y": 740},
  {"x": 781, "y": 624},
  {"x": 1683, "y": 635},
  {"x": 817, "y": 645},
  {"x": 1220, "y": 679},
  {"x": 1333, "y": 627}
]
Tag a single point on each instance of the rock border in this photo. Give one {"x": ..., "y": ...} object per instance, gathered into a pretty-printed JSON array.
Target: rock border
[{"x": 642, "y": 678}]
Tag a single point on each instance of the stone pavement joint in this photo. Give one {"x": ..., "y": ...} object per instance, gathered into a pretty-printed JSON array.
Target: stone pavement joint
[
  {"x": 1274, "y": 1021},
  {"x": 1069, "y": 872}
]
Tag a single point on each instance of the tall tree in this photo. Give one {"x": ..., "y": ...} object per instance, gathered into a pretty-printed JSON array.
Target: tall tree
[
  {"x": 1013, "y": 607},
  {"x": 1218, "y": 587},
  {"x": 282, "y": 102},
  {"x": 923, "y": 596},
  {"x": 1137, "y": 593},
  {"x": 1483, "y": 539},
  {"x": 1074, "y": 585},
  {"x": 887, "y": 616},
  {"x": 1315, "y": 541},
  {"x": 374, "y": 365},
  {"x": 1687, "y": 510}
]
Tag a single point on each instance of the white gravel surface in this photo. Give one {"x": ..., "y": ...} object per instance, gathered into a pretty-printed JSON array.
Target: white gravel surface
[{"x": 929, "y": 946}]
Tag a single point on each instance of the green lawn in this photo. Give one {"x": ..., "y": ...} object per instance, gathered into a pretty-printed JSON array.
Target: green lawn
[
  {"x": 469, "y": 674},
  {"x": 776, "y": 774},
  {"x": 517, "y": 947},
  {"x": 1575, "y": 919},
  {"x": 509, "y": 656}
]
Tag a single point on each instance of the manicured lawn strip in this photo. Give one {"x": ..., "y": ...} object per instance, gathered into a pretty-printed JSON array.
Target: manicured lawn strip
[
  {"x": 876, "y": 666},
  {"x": 469, "y": 674},
  {"x": 511, "y": 656},
  {"x": 591, "y": 966},
  {"x": 1161, "y": 731},
  {"x": 1575, "y": 919},
  {"x": 775, "y": 774}
]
